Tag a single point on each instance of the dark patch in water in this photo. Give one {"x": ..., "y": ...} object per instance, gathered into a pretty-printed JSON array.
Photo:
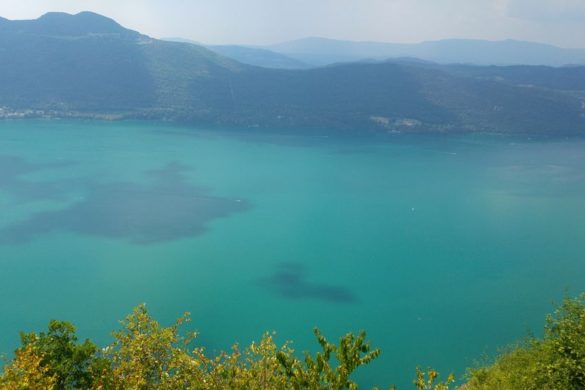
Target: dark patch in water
[
  {"x": 13, "y": 171},
  {"x": 11, "y": 168},
  {"x": 167, "y": 209},
  {"x": 290, "y": 281}
]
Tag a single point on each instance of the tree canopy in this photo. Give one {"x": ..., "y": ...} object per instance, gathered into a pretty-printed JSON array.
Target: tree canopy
[{"x": 146, "y": 355}]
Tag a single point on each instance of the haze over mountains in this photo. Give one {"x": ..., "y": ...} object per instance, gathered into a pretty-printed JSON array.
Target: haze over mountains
[
  {"x": 87, "y": 65},
  {"x": 321, "y": 51},
  {"x": 307, "y": 52},
  {"x": 251, "y": 55}
]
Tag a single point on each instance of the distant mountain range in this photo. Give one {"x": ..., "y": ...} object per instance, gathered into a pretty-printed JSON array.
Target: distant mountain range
[
  {"x": 251, "y": 55},
  {"x": 313, "y": 52},
  {"x": 321, "y": 51},
  {"x": 89, "y": 66}
]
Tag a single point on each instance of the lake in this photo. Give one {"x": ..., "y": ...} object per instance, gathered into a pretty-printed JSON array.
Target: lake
[{"x": 443, "y": 248}]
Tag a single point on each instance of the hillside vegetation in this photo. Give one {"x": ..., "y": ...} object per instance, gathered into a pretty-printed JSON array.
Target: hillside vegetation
[
  {"x": 146, "y": 355},
  {"x": 89, "y": 66}
]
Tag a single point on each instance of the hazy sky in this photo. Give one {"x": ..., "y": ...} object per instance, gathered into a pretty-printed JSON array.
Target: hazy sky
[{"x": 561, "y": 22}]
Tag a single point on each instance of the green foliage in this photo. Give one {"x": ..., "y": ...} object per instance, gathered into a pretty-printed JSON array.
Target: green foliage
[
  {"x": 146, "y": 355},
  {"x": 555, "y": 362},
  {"x": 27, "y": 371},
  {"x": 428, "y": 380},
  {"x": 72, "y": 365},
  {"x": 318, "y": 371}
]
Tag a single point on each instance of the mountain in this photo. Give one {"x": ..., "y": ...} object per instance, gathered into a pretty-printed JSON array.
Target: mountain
[
  {"x": 250, "y": 55},
  {"x": 62, "y": 24},
  {"x": 568, "y": 78},
  {"x": 87, "y": 65},
  {"x": 258, "y": 57},
  {"x": 181, "y": 40},
  {"x": 321, "y": 51},
  {"x": 87, "y": 62}
]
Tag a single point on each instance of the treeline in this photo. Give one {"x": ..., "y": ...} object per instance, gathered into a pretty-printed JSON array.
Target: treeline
[{"x": 146, "y": 355}]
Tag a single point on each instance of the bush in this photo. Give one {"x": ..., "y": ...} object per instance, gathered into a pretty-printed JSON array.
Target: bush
[
  {"x": 146, "y": 355},
  {"x": 556, "y": 362}
]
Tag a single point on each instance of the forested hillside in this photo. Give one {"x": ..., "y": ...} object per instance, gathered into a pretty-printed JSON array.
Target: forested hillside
[{"x": 86, "y": 65}]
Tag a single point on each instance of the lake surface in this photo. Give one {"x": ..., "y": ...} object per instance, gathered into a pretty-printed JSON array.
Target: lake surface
[{"x": 442, "y": 248}]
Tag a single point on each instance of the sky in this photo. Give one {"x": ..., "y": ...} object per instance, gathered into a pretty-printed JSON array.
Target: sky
[{"x": 262, "y": 22}]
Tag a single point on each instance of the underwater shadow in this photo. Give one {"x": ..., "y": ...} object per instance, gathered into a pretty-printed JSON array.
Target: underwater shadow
[
  {"x": 289, "y": 280},
  {"x": 165, "y": 209}
]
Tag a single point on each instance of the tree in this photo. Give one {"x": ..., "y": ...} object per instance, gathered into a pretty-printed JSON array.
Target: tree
[
  {"x": 26, "y": 372},
  {"x": 72, "y": 365}
]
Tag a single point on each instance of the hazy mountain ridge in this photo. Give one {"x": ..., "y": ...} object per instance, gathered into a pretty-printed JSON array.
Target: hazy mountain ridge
[
  {"x": 249, "y": 55},
  {"x": 323, "y": 51},
  {"x": 87, "y": 65},
  {"x": 105, "y": 69},
  {"x": 63, "y": 24},
  {"x": 258, "y": 57}
]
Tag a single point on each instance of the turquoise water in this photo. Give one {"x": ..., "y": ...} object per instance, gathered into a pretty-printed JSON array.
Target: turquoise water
[{"x": 442, "y": 248}]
